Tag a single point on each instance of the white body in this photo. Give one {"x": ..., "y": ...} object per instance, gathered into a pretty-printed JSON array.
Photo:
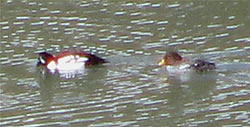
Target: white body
[
  {"x": 178, "y": 69},
  {"x": 68, "y": 63},
  {"x": 182, "y": 71}
]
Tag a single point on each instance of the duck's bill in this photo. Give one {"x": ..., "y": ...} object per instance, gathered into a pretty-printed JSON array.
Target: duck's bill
[{"x": 161, "y": 62}]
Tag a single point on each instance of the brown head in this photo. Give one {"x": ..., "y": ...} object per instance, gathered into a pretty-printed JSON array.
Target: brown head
[{"x": 170, "y": 58}]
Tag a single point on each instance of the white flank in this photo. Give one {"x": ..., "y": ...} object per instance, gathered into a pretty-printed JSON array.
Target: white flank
[
  {"x": 51, "y": 65},
  {"x": 181, "y": 72},
  {"x": 184, "y": 67},
  {"x": 69, "y": 63},
  {"x": 177, "y": 69}
]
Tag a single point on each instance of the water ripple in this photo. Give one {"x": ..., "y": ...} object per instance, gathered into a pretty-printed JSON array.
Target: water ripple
[{"x": 131, "y": 90}]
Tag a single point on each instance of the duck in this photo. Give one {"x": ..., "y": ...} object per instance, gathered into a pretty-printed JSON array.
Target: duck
[
  {"x": 174, "y": 62},
  {"x": 68, "y": 60}
]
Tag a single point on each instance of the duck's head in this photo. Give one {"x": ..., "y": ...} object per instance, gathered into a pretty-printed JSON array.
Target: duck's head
[
  {"x": 170, "y": 58},
  {"x": 44, "y": 58}
]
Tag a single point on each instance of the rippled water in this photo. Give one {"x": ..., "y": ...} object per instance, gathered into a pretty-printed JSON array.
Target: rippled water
[{"x": 130, "y": 90}]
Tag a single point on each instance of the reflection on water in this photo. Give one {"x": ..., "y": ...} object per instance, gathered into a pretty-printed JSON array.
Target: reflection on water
[{"x": 131, "y": 90}]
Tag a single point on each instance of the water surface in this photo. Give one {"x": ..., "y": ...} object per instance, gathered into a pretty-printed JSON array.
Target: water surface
[{"x": 131, "y": 90}]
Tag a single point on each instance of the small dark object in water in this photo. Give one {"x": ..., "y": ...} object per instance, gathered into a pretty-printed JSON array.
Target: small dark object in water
[{"x": 201, "y": 65}]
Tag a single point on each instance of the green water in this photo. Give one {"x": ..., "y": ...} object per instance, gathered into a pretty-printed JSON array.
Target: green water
[{"x": 131, "y": 90}]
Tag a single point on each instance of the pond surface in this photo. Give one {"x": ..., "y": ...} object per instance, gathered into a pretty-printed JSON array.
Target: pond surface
[{"x": 131, "y": 90}]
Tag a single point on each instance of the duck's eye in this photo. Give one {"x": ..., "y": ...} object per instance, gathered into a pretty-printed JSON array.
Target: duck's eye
[{"x": 42, "y": 60}]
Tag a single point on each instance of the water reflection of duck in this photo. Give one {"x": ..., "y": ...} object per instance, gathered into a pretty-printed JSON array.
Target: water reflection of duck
[
  {"x": 175, "y": 63},
  {"x": 186, "y": 96},
  {"x": 56, "y": 89},
  {"x": 68, "y": 60}
]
